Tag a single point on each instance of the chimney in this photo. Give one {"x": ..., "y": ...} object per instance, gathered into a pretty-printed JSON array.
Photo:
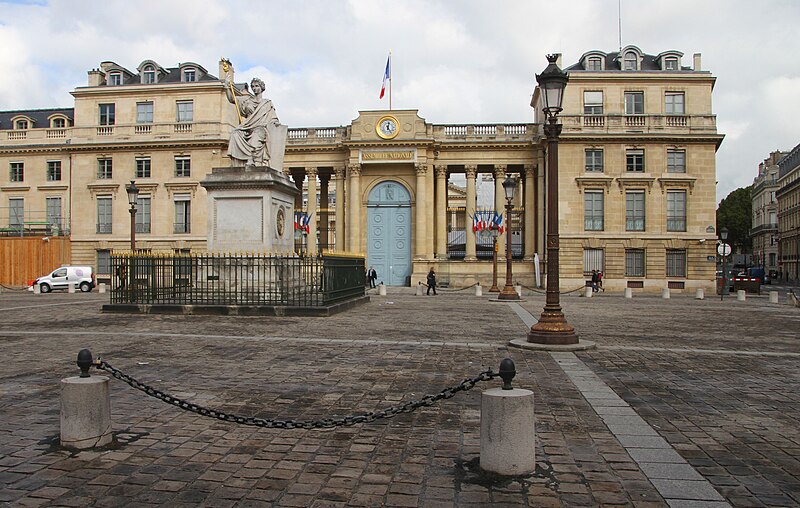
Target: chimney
[
  {"x": 697, "y": 62},
  {"x": 96, "y": 78}
]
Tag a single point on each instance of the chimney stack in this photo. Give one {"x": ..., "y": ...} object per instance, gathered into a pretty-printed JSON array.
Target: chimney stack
[{"x": 697, "y": 66}]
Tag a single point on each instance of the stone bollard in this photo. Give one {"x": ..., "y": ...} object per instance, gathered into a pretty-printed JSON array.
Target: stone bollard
[
  {"x": 508, "y": 439},
  {"x": 665, "y": 293},
  {"x": 102, "y": 288},
  {"x": 478, "y": 290},
  {"x": 382, "y": 289},
  {"x": 699, "y": 294},
  {"x": 741, "y": 295},
  {"x": 37, "y": 289},
  {"x": 628, "y": 293},
  {"x": 518, "y": 289},
  {"x": 420, "y": 291},
  {"x": 85, "y": 408},
  {"x": 587, "y": 292},
  {"x": 71, "y": 288},
  {"x": 773, "y": 297}
]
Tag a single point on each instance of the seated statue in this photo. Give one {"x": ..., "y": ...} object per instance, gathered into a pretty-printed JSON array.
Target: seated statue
[{"x": 250, "y": 141}]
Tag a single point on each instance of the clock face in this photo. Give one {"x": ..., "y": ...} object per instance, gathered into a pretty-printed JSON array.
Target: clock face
[{"x": 387, "y": 127}]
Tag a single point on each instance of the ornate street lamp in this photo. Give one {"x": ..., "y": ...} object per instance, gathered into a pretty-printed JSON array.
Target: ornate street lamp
[
  {"x": 133, "y": 195},
  {"x": 508, "y": 293},
  {"x": 552, "y": 327},
  {"x": 723, "y": 235}
]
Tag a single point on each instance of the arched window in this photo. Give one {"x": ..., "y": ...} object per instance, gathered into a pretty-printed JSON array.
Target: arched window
[
  {"x": 189, "y": 74},
  {"x": 631, "y": 61},
  {"x": 115, "y": 79},
  {"x": 149, "y": 74},
  {"x": 21, "y": 125},
  {"x": 594, "y": 64},
  {"x": 58, "y": 123}
]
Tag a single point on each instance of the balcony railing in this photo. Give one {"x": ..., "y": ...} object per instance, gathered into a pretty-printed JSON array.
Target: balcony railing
[
  {"x": 181, "y": 227},
  {"x": 764, "y": 228},
  {"x": 642, "y": 123}
]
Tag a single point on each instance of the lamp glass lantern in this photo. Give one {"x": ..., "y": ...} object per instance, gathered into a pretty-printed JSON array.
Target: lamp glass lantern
[
  {"x": 133, "y": 193},
  {"x": 510, "y": 187},
  {"x": 552, "y": 81},
  {"x": 723, "y": 234}
]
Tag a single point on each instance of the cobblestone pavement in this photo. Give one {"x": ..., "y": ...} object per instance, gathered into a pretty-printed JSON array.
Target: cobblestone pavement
[{"x": 719, "y": 381}]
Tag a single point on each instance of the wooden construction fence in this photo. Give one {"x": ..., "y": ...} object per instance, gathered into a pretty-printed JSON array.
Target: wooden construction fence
[{"x": 25, "y": 258}]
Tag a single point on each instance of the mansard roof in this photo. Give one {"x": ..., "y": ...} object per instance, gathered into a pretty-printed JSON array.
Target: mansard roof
[
  {"x": 614, "y": 61},
  {"x": 165, "y": 75},
  {"x": 39, "y": 117}
]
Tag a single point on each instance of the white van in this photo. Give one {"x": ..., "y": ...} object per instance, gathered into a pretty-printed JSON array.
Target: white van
[{"x": 62, "y": 277}]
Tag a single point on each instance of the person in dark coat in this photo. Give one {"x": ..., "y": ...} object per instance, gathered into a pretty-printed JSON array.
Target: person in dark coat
[
  {"x": 595, "y": 281},
  {"x": 432, "y": 282},
  {"x": 372, "y": 276}
]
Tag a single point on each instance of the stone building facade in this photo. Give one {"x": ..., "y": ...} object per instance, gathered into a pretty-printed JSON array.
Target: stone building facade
[
  {"x": 788, "y": 196},
  {"x": 636, "y": 175},
  {"x": 764, "y": 231}
]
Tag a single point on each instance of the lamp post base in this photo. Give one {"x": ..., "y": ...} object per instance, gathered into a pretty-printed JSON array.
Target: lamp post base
[
  {"x": 552, "y": 328},
  {"x": 508, "y": 293}
]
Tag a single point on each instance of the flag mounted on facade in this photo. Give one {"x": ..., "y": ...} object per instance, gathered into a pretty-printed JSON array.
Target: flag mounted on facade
[{"x": 387, "y": 76}]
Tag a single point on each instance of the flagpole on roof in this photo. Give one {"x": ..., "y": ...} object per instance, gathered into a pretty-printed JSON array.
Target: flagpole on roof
[{"x": 390, "y": 80}]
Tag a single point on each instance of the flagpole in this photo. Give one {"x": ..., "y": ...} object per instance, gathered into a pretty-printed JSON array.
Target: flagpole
[{"x": 390, "y": 80}]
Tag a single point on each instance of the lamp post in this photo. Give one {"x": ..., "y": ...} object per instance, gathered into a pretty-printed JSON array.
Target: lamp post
[
  {"x": 133, "y": 195},
  {"x": 552, "y": 327},
  {"x": 508, "y": 293},
  {"x": 723, "y": 235},
  {"x": 494, "y": 288}
]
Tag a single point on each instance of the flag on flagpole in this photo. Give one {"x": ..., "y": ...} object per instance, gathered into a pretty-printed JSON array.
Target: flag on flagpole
[{"x": 387, "y": 75}]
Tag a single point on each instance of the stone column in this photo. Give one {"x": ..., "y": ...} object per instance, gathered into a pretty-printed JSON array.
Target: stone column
[
  {"x": 419, "y": 210},
  {"x": 339, "y": 184},
  {"x": 500, "y": 205},
  {"x": 311, "y": 246},
  {"x": 470, "y": 172},
  {"x": 441, "y": 211},
  {"x": 354, "y": 208},
  {"x": 529, "y": 196},
  {"x": 324, "y": 179},
  {"x": 298, "y": 176}
]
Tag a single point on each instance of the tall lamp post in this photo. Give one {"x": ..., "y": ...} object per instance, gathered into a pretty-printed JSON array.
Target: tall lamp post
[
  {"x": 133, "y": 195},
  {"x": 552, "y": 327},
  {"x": 723, "y": 235},
  {"x": 494, "y": 288},
  {"x": 508, "y": 293}
]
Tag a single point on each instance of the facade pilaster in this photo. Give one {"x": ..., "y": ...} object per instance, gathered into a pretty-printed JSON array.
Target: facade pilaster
[
  {"x": 353, "y": 209},
  {"x": 420, "y": 211},
  {"x": 500, "y": 205},
  {"x": 311, "y": 210},
  {"x": 529, "y": 203},
  {"x": 471, "y": 172},
  {"x": 341, "y": 196},
  {"x": 441, "y": 211}
]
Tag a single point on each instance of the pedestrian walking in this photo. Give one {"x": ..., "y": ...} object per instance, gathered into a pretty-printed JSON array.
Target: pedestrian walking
[
  {"x": 432, "y": 282},
  {"x": 595, "y": 280},
  {"x": 600, "y": 281},
  {"x": 372, "y": 276}
]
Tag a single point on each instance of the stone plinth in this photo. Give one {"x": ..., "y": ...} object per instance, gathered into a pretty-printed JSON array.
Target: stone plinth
[
  {"x": 85, "y": 412},
  {"x": 508, "y": 439}
]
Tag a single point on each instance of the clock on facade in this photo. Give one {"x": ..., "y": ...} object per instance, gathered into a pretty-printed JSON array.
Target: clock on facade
[{"x": 387, "y": 127}]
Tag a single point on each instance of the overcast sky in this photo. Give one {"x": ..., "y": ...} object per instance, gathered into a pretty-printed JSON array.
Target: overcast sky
[{"x": 456, "y": 61}]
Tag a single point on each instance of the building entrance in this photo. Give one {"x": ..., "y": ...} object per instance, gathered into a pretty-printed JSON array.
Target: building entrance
[{"x": 389, "y": 233}]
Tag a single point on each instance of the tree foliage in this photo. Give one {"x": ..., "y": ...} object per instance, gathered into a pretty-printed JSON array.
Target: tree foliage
[{"x": 735, "y": 212}]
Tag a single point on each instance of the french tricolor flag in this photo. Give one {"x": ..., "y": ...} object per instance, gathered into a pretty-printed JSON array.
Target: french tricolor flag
[{"x": 387, "y": 75}]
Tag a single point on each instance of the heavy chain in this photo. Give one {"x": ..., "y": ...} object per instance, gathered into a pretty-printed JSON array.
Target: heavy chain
[{"x": 271, "y": 423}]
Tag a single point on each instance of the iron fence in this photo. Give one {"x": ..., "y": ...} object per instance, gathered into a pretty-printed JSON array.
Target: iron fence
[{"x": 242, "y": 279}]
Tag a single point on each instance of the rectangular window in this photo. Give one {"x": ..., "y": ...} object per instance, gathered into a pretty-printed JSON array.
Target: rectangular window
[
  {"x": 104, "y": 169},
  {"x": 54, "y": 213},
  {"x": 773, "y": 259},
  {"x": 104, "y": 217},
  {"x": 634, "y": 211},
  {"x": 103, "y": 262},
  {"x": 634, "y": 161},
  {"x": 634, "y": 262},
  {"x": 107, "y": 114},
  {"x": 185, "y": 111},
  {"x": 183, "y": 166},
  {"x": 634, "y": 103},
  {"x": 189, "y": 75},
  {"x": 17, "y": 171},
  {"x": 594, "y": 160},
  {"x": 183, "y": 216},
  {"x": 592, "y": 260},
  {"x": 143, "y": 214},
  {"x": 676, "y": 211},
  {"x": 676, "y": 263},
  {"x": 593, "y": 210},
  {"x": 594, "y": 64},
  {"x": 592, "y": 103},
  {"x": 115, "y": 79},
  {"x": 144, "y": 112},
  {"x": 673, "y": 103},
  {"x": 676, "y": 161},
  {"x": 16, "y": 212},
  {"x": 143, "y": 167},
  {"x": 53, "y": 171},
  {"x": 671, "y": 64}
]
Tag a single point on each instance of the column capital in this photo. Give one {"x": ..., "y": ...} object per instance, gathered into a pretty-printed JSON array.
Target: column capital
[
  {"x": 421, "y": 169},
  {"x": 471, "y": 170},
  {"x": 500, "y": 170},
  {"x": 441, "y": 170},
  {"x": 354, "y": 169},
  {"x": 311, "y": 172},
  {"x": 339, "y": 172},
  {"x": 527, "y": 170}
]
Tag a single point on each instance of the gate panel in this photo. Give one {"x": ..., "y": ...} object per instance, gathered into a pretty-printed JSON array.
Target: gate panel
[{"x": 389, "y": 233}]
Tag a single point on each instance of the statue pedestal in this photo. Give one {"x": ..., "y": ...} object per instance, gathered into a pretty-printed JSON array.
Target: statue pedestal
[{"x": 250, "y": 209}]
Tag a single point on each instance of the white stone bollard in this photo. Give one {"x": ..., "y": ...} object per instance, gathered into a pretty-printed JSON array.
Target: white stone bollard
[
  {"x": 420, "y": 291},
  {"x": 518, "y": 289},
  {"x": 741, "y": 295},
  {"x": 382, "y": 289},
  {"x": 71, "y": 288},
  {"x": 587, "y": 292},
  {"x": 508, "y": 439},
  {"x": 478, "y": 290},
  {"x": 628, "y": 293},
  {"x": 773, "y": 297},
  {"x": 102, "y": 288},
  {"x": 85, "y": 412},
  {"x": 665, "y": 293},
  {"x": 37, "y": 289},
  {"x": 699, "y": 294}
]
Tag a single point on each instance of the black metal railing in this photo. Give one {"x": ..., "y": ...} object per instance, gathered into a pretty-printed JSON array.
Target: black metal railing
[{"x": 242, "y": 279}]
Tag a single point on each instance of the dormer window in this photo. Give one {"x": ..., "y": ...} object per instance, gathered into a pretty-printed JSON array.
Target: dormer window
[
  {"x": 58, "y": 123},
  {"x": 631, "y": 62},
  {"x": 149, "y": 74},
  {"x": 21, "y": 125},
  {"x": 594, "y": 63},
  {"x": 189, "y": 75},
  {"x": 115, "y": 79},
  {"x": 671, "y": 64}
]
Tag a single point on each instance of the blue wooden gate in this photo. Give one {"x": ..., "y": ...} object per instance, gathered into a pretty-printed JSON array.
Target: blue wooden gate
[{"x": 389, "y": 233}]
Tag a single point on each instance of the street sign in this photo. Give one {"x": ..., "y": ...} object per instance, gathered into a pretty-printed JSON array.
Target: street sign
[
  {"x": 724, "y": 249},
  {"x": 711, "y": 258}
]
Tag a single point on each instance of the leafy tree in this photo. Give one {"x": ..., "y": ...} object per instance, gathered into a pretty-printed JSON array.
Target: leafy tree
[{"x": 735, "y": 212}]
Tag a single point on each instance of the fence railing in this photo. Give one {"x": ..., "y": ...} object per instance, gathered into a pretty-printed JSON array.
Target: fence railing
[{"x": 247, "y": 279}]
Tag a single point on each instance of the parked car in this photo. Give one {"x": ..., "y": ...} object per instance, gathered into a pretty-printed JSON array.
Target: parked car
[
  {"x": 60, "y": 278},
  {"x": 758, "y": 272}
]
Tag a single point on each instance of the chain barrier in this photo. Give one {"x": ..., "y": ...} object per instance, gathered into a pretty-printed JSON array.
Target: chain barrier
[
  {"x": 269, "y": 423},
  {"x": 541, "y": 292}
]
